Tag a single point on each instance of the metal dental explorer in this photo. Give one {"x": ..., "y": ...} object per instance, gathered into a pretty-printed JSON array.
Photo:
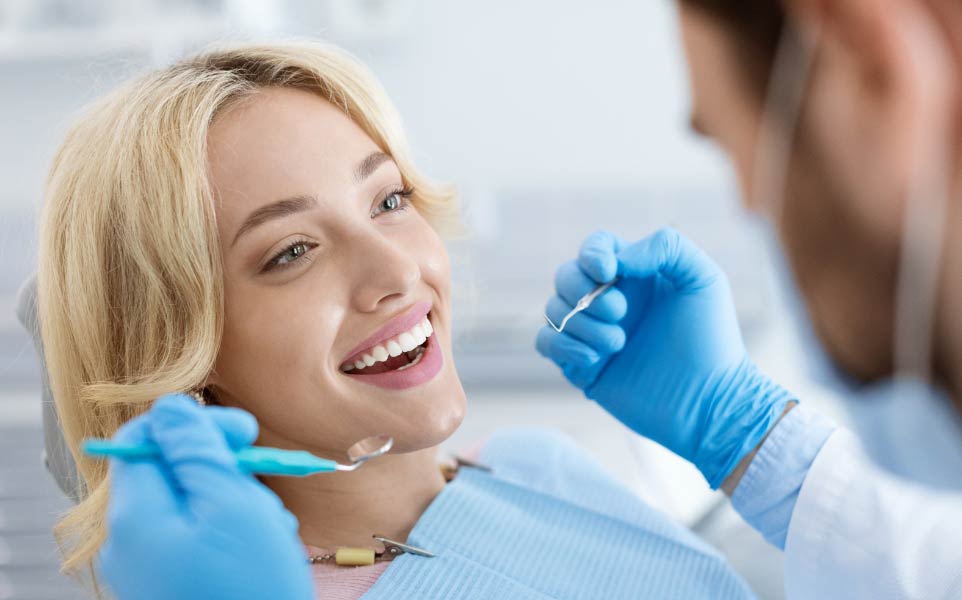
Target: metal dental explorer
[{"x": 582, "y": 305}]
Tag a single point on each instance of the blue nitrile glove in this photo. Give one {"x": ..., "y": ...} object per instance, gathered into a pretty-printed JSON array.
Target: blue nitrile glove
[
  {"x": 192, "y": 525},
  {"x": 661, "y": 351}
]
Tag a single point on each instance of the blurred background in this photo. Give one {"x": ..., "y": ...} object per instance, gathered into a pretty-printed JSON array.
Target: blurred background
[{"x": 554, "y": 118}]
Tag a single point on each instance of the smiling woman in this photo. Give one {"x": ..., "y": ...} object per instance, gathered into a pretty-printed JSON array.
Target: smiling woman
[
  {"x": 246, "y": 223},
  {"x": 238, "y": 223}
]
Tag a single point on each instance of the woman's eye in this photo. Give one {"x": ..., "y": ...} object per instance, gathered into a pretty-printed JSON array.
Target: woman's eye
[
  {"x": 395, "y": 201},
  {"x": 288, "y": 256},
  {"x": 391, "y": 202}
]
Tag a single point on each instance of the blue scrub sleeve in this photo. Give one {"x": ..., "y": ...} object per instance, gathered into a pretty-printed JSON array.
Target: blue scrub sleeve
[{"x": 766, "y": 495}]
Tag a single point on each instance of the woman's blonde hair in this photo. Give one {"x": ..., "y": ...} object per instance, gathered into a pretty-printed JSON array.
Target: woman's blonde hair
[{"x": 130, "y": 285}]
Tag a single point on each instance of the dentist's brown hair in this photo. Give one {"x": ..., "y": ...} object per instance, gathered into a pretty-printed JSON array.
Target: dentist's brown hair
[{"x": 758, "y": 25}]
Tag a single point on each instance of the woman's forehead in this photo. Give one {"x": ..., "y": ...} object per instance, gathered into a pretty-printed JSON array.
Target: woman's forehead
[{"x": 283, "y": 142}]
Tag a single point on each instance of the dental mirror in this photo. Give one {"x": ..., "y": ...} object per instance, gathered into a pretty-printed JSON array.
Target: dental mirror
[{"x": 365, "y": 450}]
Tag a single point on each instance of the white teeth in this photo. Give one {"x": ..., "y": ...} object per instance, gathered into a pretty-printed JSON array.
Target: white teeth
[{"x": 407, "y": 342}]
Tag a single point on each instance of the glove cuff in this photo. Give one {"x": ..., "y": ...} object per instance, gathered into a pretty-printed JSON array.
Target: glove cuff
[{"x": 747, "y": 404}]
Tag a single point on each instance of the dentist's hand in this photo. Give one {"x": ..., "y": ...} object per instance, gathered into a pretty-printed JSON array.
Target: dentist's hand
[
  {"x": 192, "y": 525},
  {"x": 661, "y": 351}
]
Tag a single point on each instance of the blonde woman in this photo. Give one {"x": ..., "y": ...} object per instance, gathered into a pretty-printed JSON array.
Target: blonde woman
[{"x": 247, "y": 225}]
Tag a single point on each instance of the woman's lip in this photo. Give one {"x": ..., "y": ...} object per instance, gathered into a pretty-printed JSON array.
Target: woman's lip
[
  {"x": 431, "y": 362},
  {"x": 404, "y": 322}
]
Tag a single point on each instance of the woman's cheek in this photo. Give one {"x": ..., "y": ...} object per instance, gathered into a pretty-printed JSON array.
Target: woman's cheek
[
  {"x": 435, "y": 263},
  {"x": 437, "y": 270}
]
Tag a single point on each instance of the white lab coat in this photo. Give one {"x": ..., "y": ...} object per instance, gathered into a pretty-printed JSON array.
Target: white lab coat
[
  {"x": 860, "y": 532},
  {"x": 879, "y": 515}
]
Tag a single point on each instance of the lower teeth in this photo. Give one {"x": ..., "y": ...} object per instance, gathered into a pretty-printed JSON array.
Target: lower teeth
[{"x": 416, "y": 360}]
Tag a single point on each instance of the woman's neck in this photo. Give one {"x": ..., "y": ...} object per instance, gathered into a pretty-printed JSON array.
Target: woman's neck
[{"x": 386, "y": 497}]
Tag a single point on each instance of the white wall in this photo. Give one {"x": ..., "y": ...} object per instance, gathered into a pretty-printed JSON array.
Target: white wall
[
  {"x": 539, "y": 102},
  {"x": 493, "y": 94},
  {"x": 531, "y": 93}
]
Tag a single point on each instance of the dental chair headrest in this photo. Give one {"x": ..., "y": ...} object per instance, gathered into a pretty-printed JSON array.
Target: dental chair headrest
[{"x": 56, "y": 457}]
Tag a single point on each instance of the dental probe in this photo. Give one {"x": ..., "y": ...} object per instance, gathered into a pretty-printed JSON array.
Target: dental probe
[
  {"x": 259, "y": 459},
  {"x": 582, "y": 305}
]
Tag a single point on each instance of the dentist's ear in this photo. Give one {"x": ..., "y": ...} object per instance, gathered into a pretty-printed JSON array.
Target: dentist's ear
[
  {"x": 881, "y": 107},
  {"x": 949, "y": 15},
  {"x": 888, "y": 41}
]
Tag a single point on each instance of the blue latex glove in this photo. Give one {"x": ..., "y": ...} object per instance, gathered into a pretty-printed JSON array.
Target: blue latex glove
[
  {"x": 193, "y": 525},
  {"x": 662, "y": 351}
]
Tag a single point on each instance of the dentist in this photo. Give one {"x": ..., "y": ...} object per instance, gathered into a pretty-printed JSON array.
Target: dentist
[{"x": 865, "y": 212}]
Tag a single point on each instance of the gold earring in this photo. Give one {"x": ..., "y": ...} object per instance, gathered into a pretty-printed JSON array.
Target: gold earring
[{"x": 198, "y": 396}]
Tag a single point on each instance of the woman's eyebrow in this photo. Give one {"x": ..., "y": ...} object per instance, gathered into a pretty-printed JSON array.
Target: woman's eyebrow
[
  {"x": 369, "y": 165},
  {"x": 296, "y": 204},
  {"x": 275, "y": 210}
]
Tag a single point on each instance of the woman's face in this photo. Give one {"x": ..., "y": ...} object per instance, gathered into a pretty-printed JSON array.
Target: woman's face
[{"x": 326, "y": 263}]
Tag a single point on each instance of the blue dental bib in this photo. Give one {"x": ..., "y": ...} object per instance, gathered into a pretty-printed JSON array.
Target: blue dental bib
[{"x": 547, "y": 522}]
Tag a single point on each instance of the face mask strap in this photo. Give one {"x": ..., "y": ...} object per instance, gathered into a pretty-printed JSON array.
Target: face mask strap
[
  {"x": 778, "y": 123},
  {"x": 920, "y": 259}
]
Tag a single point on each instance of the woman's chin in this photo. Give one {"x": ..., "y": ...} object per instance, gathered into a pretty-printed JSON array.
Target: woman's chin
[{"x": 434, "y": 425}]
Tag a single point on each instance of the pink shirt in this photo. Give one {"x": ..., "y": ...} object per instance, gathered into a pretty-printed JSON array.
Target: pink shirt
[{"x": 332, "y": 582}]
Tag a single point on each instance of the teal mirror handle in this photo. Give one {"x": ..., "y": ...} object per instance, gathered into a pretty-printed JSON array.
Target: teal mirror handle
[
  {"x": 275, "y": 461},
  {"x": 252, "y": 459}
]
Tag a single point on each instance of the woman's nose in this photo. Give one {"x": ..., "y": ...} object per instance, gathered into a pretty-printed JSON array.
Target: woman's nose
[{"x": 382, "y": 271}]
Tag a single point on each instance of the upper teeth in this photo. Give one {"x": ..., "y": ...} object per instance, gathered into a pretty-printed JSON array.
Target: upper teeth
[{"x": 403, "y": 342}]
